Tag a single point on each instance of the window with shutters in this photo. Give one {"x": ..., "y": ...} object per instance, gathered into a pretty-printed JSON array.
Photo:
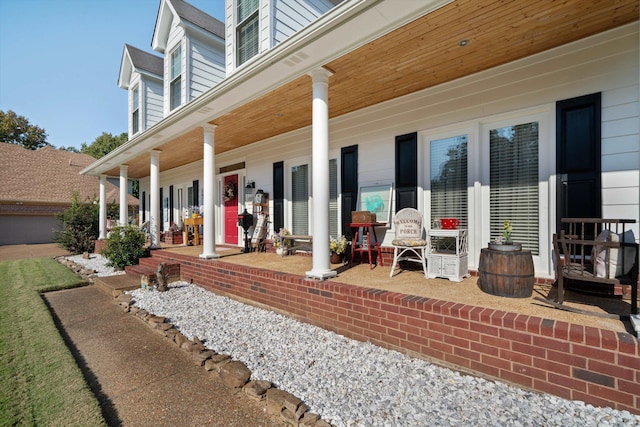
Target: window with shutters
[
  {"x": 449, "y": 189},
  {"x": 513, "y": 181},
  {"x": 247, "y": 30},
  {"x": 300, "y": 200},
  {"x": 175, "y": 89}
]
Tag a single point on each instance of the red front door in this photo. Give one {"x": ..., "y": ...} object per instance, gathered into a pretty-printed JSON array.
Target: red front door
[{"x": 230, "y": 197}]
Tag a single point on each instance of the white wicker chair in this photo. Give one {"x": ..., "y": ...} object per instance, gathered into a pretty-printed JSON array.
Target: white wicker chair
[{"x": 409, "y": 243}]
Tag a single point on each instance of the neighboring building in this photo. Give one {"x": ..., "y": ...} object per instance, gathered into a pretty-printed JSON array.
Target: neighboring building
[
  {"x": 37, "y": 184},
  {"x": 481, "y": 110}
]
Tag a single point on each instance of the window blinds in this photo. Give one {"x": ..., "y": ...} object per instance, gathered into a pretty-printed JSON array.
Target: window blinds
[
  {"x": 448, "y": 167},
  {"x": 513, "y": 170},
  {"x": 247, "y": 29},
  {"x": 300, "y": 200},
  {"x": 333, "y": 198}
]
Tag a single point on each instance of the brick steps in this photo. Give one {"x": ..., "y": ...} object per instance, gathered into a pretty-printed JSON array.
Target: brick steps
[{"x": 146, "y": 271}]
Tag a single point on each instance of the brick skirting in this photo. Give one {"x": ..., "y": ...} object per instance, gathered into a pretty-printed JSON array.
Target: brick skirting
[{"x": 573, "y": 361}]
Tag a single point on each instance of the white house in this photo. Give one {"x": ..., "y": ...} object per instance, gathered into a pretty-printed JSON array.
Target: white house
[{"x": 476, "y": 109}]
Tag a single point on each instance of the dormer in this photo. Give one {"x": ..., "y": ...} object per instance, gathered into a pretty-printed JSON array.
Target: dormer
[
  {"x": 141, "y": 76},
  {"x": 255, "y": 26},
  {"x": 193, "y": 46}
]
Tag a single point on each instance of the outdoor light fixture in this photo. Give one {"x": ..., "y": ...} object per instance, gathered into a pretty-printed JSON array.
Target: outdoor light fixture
[
  {"x": 463, "y": 42},
  {"x": 248, "y": 190}
]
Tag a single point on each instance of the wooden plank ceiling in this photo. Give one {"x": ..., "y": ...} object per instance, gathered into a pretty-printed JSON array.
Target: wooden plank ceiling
[{"x": 419, "y": 55}]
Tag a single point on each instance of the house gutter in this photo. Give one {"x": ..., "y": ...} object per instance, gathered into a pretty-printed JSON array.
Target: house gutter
[{"x": 367, "y": 19}]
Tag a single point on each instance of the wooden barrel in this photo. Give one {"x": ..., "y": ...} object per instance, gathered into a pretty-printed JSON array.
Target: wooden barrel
[{"x": 506, "y": 273}]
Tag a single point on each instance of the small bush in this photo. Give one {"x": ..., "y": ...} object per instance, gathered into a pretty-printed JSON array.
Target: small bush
[
  {"x": 125, "y": 246},
  {"x": 79, "y": 226}
]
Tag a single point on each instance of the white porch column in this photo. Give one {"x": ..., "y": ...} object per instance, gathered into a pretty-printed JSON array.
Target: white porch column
[
  {"x": 154, "y": 208},
  {"x": 102, "y": 225},
  {"x": 209, "y": 190},
  {"x": 320, "y": 171},
  {"x": 124, "y": 200}
]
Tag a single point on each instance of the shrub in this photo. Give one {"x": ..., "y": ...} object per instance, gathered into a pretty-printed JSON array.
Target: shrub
[
  {"x": 125, "y": 246},
  {"x": 79, "y": 226}
]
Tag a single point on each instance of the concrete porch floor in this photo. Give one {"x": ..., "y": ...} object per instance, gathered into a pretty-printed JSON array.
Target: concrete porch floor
[{"x": 412, "y": 282}]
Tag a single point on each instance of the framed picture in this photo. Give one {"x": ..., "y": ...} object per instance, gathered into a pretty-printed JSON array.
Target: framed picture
[{"x": 376, "y": 198}]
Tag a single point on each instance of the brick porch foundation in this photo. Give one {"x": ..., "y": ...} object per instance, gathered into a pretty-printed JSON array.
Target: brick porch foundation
[{"x": 598, "y": 366}]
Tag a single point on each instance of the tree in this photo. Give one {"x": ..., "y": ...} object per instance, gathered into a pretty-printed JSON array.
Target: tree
[
  {"x": 15, "y": 129},
  {"x": 104, "y": 144}
]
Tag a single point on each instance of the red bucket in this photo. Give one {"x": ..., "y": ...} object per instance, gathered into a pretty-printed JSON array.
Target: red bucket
[{"x": 449, "y": 223}]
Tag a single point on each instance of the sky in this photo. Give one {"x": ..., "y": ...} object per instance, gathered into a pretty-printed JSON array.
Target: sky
[{"x": 60, "y": 60}]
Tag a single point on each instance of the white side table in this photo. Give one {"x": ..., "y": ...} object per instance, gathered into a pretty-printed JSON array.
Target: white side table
[{"x": 447, "y": 254}]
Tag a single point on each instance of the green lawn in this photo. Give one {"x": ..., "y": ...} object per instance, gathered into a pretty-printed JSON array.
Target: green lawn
[{"x": 40, "y": 383}]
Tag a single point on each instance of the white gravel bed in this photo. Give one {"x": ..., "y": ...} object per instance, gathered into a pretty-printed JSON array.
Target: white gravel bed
[
  {"x": 96, "y": 262},
  {"x": 352, "y": 383}
]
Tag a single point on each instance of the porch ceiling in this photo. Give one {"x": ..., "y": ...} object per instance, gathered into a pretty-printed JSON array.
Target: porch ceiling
[{"x": 419, "y": 55}]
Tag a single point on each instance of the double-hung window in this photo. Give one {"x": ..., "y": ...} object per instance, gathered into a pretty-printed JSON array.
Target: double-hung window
[
  {"x": 175, "y": 90},
  {"x": 448, "y": 158},
  {"x": 247, "y": 30},
  {"x": 135, "y": 111},
  {"x": 513, "y": 178},
  {"x": 333, "y": 198}
]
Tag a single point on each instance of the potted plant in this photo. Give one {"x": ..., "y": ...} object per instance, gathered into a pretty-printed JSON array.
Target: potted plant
[
  {"x": 281, "y": 243},
  {"x": 337, "y": 247},
  {"x": 504, "y": 242}
]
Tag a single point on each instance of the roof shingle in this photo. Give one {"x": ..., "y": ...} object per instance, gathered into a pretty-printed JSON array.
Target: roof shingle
[{"x": 48, "y": 175}]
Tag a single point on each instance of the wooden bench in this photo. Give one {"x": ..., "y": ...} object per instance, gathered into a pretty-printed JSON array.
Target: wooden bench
[
  {"x": 300, "y": 242},
  {"x": 583, "y": 255}
]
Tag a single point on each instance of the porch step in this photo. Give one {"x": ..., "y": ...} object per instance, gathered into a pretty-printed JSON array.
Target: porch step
[
  {"x": 143, "y": 273},
  {"x": 114, "y": 285},
  {"x": 147, "y": 271}
]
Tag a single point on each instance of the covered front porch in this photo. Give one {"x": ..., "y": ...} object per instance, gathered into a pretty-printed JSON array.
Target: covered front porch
[{"x": 518, "y": 340}]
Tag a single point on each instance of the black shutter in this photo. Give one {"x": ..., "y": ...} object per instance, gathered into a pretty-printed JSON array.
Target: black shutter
[
  {"x": 144, "y": 206},
  {"x": 278, "y": 196},
  {"x": 349, "y": 188},
  {"x": 196, "y": 193},
  {"x": 161, "y": 211},
  {"x": 170, "y": 204},
  {"x": 407, "y": 171}
]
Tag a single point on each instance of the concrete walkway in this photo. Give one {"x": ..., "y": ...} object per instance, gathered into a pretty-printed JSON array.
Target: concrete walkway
[{"x": 139, "y": 377}]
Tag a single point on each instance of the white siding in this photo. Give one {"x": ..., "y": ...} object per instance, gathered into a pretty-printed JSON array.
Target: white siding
[
  {"x": 152, "y": 102},
  {"x": 206, "y": 66},
  {"x": 279, "y": 19},
  {"x": 290, "y": 16}
]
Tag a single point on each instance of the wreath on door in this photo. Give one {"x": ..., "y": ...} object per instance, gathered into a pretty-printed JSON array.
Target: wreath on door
[{"x": 229, "y": 192}]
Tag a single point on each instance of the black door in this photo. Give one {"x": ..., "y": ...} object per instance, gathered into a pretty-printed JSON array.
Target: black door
[
  {"x": 578, "y": 123},
  {"x": 349, "y": 187}
]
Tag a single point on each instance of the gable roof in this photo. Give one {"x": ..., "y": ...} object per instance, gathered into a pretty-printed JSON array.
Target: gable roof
[
  {"x": 134, "y": 59},
  {"x": 185, "y": 13},
  {"x": 48, "y": 176}
]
